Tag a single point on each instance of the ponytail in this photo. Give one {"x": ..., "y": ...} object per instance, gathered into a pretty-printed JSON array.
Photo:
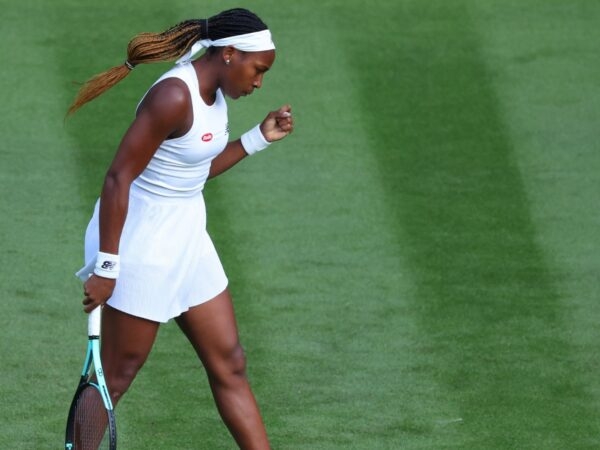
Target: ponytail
[
  {"x": 143, "y": 48},
  {"x": 168, "y": 46}
]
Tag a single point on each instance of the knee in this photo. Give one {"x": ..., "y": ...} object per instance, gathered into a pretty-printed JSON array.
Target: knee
[
  {"x": 230, "y": 366},
  {"x": 120, "y": 376},
  {"x": 237, "y": 361}
]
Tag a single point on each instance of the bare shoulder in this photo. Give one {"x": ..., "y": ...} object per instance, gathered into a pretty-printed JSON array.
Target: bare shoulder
[
  {"x": 168, "y": 102},
  {"x": 170, "y": 93}
]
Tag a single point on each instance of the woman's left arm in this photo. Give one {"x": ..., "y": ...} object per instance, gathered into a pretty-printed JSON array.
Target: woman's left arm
[{"x": 277, "y": 125}]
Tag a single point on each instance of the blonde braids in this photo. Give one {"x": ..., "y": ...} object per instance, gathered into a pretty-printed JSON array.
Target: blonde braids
[
  {"x": 142, "y": 49},
  {"x": 168, "y": 46}
]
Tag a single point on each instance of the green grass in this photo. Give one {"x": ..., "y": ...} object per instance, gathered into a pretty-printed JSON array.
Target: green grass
[{"x": 416, "y": 267}]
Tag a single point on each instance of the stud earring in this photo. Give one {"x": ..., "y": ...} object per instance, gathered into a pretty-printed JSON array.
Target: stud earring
[{"x": 227, "y": 61}]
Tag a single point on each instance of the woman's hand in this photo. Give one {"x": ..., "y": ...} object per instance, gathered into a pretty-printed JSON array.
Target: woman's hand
[
  {"x": 97, "y": 291},
  {"x": 278, "y": 124}
]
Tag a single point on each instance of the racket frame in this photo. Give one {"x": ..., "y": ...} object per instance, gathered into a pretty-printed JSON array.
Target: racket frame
[{"x": 92, "y": 358}]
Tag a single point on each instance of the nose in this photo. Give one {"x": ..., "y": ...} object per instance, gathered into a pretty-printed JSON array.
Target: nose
[{"x": 258, "y": 81}]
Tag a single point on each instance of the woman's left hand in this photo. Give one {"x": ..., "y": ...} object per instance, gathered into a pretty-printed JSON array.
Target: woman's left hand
[{"x": 278, "y": 124}]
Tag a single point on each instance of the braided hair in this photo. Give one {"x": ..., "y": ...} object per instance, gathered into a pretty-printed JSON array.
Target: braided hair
[{"x": 168, "y": 46}]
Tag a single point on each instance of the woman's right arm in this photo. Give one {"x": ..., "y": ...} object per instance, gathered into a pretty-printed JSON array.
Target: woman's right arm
[{"x": 164, "y": 112}]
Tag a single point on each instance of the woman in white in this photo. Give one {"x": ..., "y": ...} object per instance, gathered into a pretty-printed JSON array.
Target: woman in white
[{"x": 148, "y": 255}]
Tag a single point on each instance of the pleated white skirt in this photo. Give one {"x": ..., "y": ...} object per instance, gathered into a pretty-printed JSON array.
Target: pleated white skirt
[{"x": 168, "y": 261}]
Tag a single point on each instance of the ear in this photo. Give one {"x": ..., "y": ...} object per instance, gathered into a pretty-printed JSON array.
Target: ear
[{"x": 227, "y": 53}]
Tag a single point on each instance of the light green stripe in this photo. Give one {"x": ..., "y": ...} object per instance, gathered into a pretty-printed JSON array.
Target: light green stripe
[{"x": 314, "y": 259}]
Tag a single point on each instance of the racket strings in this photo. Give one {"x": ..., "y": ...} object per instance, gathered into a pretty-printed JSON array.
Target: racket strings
[{"x": 90, "y": 421}]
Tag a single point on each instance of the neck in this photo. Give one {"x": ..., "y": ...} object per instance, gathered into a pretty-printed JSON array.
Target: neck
[{"x": 208, "y": 79}]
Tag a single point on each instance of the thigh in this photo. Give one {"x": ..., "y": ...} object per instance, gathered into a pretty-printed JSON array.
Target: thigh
[
  {"x": 126, "y": 341},
  {"x": 212, "y": 330}
]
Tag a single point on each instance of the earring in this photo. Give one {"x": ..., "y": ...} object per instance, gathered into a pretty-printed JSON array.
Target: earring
[{"x": 227, "y": 61}]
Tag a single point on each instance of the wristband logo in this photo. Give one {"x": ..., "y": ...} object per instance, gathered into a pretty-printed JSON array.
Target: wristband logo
[
  {"x": 108, "y": 265},
  {"x": 207, "y": 137}
]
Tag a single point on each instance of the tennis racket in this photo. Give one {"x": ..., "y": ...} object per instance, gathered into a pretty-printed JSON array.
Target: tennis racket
[{"x": 91, "y": 423}]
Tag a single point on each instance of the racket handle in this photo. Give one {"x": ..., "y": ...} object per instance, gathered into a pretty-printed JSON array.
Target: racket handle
[{"x": 94, "y": 322}]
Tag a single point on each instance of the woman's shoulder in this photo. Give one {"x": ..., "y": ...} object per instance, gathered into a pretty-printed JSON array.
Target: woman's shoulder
[
  {"x": 174, "y": 83},
  {"x": 168, "y": 96}
]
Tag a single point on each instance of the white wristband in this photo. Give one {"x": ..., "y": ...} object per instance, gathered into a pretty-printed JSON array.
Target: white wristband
[
  {"x": 107, "y": 265},
  {"x": 254, "y": 141}
]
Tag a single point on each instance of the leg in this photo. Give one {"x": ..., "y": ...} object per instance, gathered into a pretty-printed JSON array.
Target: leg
[
  {"x": 126, "y": 343},
  {"x": 212, "y": 330}
]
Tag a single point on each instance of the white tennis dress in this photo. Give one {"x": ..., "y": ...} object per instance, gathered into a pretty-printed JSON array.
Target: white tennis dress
[{"x": 168, "y": 261}]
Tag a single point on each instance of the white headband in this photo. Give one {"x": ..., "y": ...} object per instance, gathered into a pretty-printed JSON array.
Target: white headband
[{"x": 251, "y": 42}]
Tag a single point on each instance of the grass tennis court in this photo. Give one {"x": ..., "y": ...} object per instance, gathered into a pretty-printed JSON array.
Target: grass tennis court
[{"x": 417, "y": 267}]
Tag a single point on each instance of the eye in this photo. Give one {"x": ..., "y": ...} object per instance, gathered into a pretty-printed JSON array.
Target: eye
[{"x": 261, "y": 69}]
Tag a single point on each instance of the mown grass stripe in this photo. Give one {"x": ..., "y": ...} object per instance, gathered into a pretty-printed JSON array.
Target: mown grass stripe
[{"x": 318, "y": 271}]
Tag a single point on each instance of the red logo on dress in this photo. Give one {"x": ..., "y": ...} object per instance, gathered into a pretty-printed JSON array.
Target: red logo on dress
[{"x": 207, "y": 137}]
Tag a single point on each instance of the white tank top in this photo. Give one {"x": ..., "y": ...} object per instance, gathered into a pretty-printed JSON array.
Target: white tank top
[{"x": 180, "y": 166}]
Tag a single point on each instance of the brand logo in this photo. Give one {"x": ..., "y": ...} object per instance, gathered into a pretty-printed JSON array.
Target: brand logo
[
  {"x": 108, "y": 265},
  {"x": 207, "y": 137}
]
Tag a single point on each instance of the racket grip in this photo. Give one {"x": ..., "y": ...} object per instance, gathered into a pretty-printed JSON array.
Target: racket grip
[{"x": 94, "y": 322}]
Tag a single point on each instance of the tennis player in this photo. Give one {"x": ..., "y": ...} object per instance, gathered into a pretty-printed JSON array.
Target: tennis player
[{"x": 148, "y": 255}]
